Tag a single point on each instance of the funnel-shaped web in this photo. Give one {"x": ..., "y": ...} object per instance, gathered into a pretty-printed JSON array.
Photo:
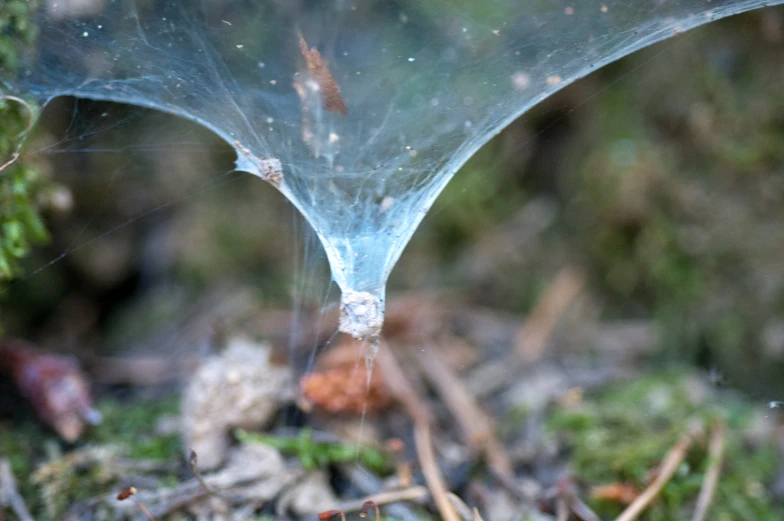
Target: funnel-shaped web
[{"x": 359, "y": 112}]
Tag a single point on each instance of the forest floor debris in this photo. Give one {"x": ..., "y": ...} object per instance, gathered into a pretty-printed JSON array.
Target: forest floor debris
[
  {"x": 591, "y": 448},
  {"x": 9, "y": 495}
]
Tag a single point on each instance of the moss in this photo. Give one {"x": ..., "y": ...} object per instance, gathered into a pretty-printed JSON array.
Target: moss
[
  {"x": 314, "y": 454},
  {"x": 133, "y": 425},
  {"x": 51, "y": 482},
  {"x": 21, "y": 225},
  {"x": 622, "y": 434}
]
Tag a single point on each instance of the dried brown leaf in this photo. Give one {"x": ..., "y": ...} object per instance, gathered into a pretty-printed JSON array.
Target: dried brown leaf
[{"x": 317, "y": 67}]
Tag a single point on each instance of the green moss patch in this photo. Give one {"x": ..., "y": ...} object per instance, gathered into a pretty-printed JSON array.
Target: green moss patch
[{"x": 622, "y": 434}]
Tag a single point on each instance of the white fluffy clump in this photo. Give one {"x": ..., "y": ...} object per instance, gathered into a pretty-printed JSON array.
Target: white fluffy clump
[
  {"x": 361, "y": 314},
  {"x": 240, "y": 388}
]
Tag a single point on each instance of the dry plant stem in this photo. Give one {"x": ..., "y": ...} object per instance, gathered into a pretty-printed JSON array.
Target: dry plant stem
[
  {"x": 532, "y": 337},
  {"x": 366, "y": 506},
  {"x": 9, "y": 495},
  {"x": 146, "y": 512},
  {"x": 582, "y": 511},
  {"x": 129, "y": 493},
  {"x": 668, "y": 467},
  {"x": 561, "y": 510},
  {"x": 472, "y": 421},
  {"x": 476, "y": 426},
  {"x": 403, "y": 391},
  {"x": 432, "y": 473},
  {"x": 400, "y": 387},
  {"x": 12, "y": 159},
  {"x": 715, "y": 458},
  {"x": 416, "y": 493},
  {"x": 461, "y": 507},
  {"x": 194, "y": 464}
]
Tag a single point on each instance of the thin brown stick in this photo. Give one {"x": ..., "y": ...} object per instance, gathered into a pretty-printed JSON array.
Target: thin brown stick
[
  {"x": 9, "y": 495},
  {"x": 476, "y": 426},
  {"x": 399, "y": 386},
  {"x": 416, "y": 493},
  {"x": 668, "y": 467},
  {"x": 404, "y": 392},
  {"x": 471, "y": 420},
  {"x": 531, "y": 339},
  {"x": 194, "y": 464},
  {"x": 433, "y": 478},
  {"x": 582, "y": 511},
  {"x": 561, "y": 510},
  {"x": 128, "y": 493},
  {"x": 12, "y": 159},
  {"x": 366, "y": 506},
  {"x": 146, "y": 512},
  {"x": 715, "y": 458},
  {"x": 461, "y": 507}
]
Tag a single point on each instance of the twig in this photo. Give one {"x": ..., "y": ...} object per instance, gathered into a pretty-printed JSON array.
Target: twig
[
  {"x": 668, "y": 467},
  {"x": 433, "y": 478},
  {"x": 715, "y": 458},
  {"x": 531, "y": 339},
  {"x": 461, "y": 507},
  {"x": 582, "y": 511},
  {"x": 561, "y": 509},
  {"x": 401, "y": 388},
  {"x": 575, "y": 505},
  {"x": 194, "y": 464},
  {"x": 384, "y": 498},
  {"x": 476, "y": 426},
  {"x": 366, "y": 506},
  {"x": 567, "y": 501},
  {"x": 370, "y": 485},
  {"x": 9, "y": 495},
  {"x": 14, "y": 156}
]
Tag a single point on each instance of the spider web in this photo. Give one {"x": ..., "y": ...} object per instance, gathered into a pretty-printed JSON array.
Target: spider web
[{"x": 358, "y": 113}]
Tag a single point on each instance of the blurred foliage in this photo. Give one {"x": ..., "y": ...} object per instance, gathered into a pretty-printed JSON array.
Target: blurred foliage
[
  {"x": 133, "y": 424},
  {"x": 20, "y": 185},
  {"x": 679, "y": 202},
  {"x": 51, "y": 480},
  {"x": 314, "y": 454},
  {"x": 621, "y": 435},
  {"x": 15, "y": 28}
]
